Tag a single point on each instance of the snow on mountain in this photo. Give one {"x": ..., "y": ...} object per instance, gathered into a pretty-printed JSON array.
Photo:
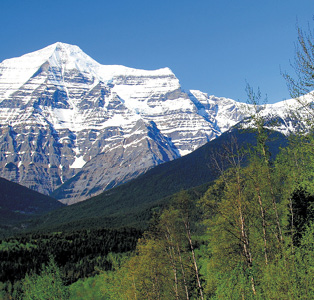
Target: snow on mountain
[
  {"x": 66, "y": 119},
  {"x": 288, "y": 116}
]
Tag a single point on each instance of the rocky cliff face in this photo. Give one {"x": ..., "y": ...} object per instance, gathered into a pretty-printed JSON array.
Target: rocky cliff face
[{"x": 67, "y": 120}]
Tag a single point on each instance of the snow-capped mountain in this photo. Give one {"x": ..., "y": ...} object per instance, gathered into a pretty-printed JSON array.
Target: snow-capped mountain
[{"x": 65, "y": 118}]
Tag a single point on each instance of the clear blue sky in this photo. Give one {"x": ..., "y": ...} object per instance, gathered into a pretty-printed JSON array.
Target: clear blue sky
[{"x": 214, "y": 46}]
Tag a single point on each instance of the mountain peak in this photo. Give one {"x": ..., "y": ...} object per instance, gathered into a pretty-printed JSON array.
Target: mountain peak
[
  {"x": 71, "y": 57},
  {"x": 63, "y": 52},
  {"x": 68, "y": 49},
  {"x": 72, "y": 117},
  {"x": 43, "y": 54},
  {"x": 64, "y": 45}
]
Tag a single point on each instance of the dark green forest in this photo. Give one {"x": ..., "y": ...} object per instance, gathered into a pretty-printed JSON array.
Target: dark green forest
[
  {"x": 78, "y": 254},
  {"x": 19, "y": 204},
  {"x": 248, "y": 233}
]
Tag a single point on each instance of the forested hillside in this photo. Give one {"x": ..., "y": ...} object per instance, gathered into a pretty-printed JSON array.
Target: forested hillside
[{"x": 18, "y": 203}]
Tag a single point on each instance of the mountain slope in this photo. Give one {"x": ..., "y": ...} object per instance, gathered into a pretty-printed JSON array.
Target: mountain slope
[
  {"x": 132, "y": 203},
  {"x": 19, "y": 203}
]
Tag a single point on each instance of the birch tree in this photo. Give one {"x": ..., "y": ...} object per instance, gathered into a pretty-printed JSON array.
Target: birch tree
[{"x": 229, "y": 222}]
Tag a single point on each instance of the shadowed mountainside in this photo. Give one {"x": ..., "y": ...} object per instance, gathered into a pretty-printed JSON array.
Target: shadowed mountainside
[
  {"x": 18, "y": 203},
  {"x": 133, "y": 203}
]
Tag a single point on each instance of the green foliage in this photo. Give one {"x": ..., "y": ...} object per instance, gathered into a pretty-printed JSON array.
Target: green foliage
[
  {"x": 256, "y": 216},
  {"x": 14, "y": 245},
  {"x": 89, "y": 288},
  {"x": 163, "y": 265},
  {"x": 235, "y": 284},
  {"x": 47, "y": 285},
  {"x": 292, "y": 277},
  {"x": 78, "y": 253}
]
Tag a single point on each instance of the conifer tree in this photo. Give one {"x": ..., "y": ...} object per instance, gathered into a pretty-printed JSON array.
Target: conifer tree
[{"x": 48, "y": 285}]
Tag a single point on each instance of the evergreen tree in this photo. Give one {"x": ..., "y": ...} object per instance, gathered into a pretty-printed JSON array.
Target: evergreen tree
[
  {"x": 301, "y": 214},
  {"x": 47, "y": 285}
]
